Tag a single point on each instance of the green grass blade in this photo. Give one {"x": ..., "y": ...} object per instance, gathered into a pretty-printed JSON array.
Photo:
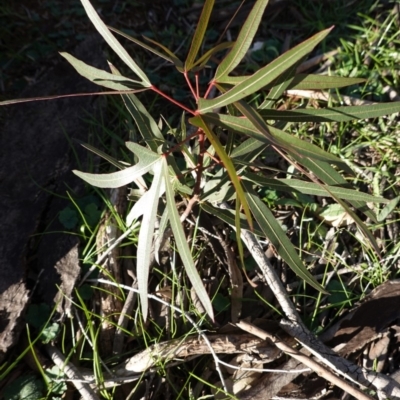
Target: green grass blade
[
  {"x": 145, "y": 241},
  {"x": 226, "y": 160},
  {"x": 171, "y": 57},
  {"x": 182, "y": 245},
  {"x": 113, "y": 42},
  {"x": 311, "y": 188},
  {"x": 243, "y": 41},
  {"x": 202, "y": 61},
  {"x": 147, "y": 160},
  {"x": 263, "y": 76},
  {"x": 100, "y": 77},
  {"x": 333, "y": 114},
  {"x": 274, "y": 232},
  {"x": 199, "y": 34}
]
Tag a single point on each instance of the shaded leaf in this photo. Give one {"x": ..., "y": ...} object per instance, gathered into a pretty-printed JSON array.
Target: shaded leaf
[
  {"x": 171, "y": 57},
  {"x": 226, "y": 160},
  {"x": 202, "y": 61},
  {"x": 274, "y": 232}
]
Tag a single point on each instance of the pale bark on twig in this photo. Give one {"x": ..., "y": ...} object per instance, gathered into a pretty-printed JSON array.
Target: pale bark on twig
[
  {"x": 72, "y": 373},
  {"x": 309, "y": 362}
]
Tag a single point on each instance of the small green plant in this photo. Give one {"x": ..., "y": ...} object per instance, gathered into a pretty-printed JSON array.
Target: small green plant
[{"x": 214, "y": 163}]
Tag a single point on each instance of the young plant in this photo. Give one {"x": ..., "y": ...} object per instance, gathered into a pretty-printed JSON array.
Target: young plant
[{"x": 229, "y": 136}]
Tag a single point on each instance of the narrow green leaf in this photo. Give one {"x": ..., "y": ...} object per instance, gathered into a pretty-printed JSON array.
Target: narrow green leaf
[
  {"x": 228, "y": 216},
  {"x": 202, "y": 61},
  {"x": 272, "y": 136},
  {"x": 147, "y": 160},
  {"x": 100, "y": 77},
  {"x": 178, "y": 63},
  {"x": 182, "y": 245},
  {"x": 263, "y": 76},
  {"x": 243, "y": 41},
  {"x": 226, "y": 160},
  {"x": 274, "y": 232},
  {"x": 145, "y": 240},
  {"x": 337, "y": 114},
  {"x": 171, "y": 57},
  {"x": 199, "y": 34},
  {"x": 327, "y": 174},
  {"x": 100, "y": 153},
  {"x": 305, "y": 81},
  {"x": 145, "y": 122},
  {"x": 113, "y": 42},
  {"x": 321, "y": 82},
  {"x": 310, "y": 188},
  {"x": 248, "y": 146},
  {"x": 388, "y": 209}
]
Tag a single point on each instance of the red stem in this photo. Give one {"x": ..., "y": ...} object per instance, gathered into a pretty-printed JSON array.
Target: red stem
[
  {"x": 210, "y": 85},
  {"x": 154, "y": 89},
  {"x": 185, "y": 74}
]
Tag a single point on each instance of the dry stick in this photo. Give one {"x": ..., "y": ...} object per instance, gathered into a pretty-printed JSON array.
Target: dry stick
[
  {"x": 316, "y": 367},
  {"x": 72, "y": 373},
  {"x": 297, "y": 329}
]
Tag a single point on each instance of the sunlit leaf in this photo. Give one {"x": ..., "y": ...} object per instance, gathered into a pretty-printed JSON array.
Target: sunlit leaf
[
  {"x": 147, "y": 160},
  {"x": 243, "y": 41},
  {"x": 145, "y": 241},
  {"x": 388, "y": 209},
  {"x": 263, "y": 76},
  {"x": 182, "y": 245},
  {"x": 338, "y": 114},
  {"x": 100, "y": 77},
  {"x": 113, "y": 42}
]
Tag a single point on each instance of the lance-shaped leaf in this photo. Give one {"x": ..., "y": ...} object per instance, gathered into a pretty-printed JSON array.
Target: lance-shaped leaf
[
  {"x": 263, "y": 76},
  {"x": 182, "y": 246},
  {"x": 100, "y": 77},
  {"x": 283, "y": 82},
  {"x": 268, "y": 134},
  {"x": 199, "y": 34},
  {"x": 311, "y": 188},
  {"x": 147, "y": 160},
  {"x": 274, "y": 232},
  {"x": 243, "y": 41},
  {"x": 171, "y": 57},
  {"x": 327, "y": 174},
  {"x": 113, "y": 42},
  {"x": 145, "y": 241},
  {"x": 202, "y": 61},
  {"x": 337, "y": 114},
  {"x": 100, "y": 153},
  {"x": 305, "y": 82},
  {"x": 228, "y": 216},
  {"x": 226, "y": 160}
]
